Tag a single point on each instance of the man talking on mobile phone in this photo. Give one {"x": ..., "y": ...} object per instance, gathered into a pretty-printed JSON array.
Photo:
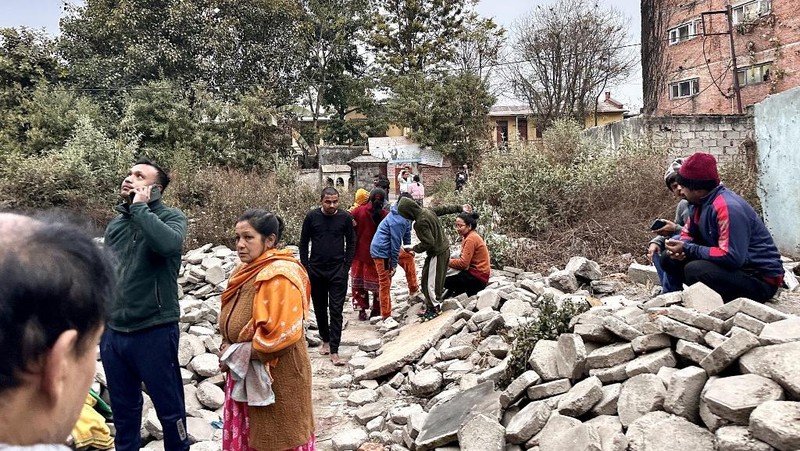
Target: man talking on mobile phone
[{"x": 141, "y": 341}]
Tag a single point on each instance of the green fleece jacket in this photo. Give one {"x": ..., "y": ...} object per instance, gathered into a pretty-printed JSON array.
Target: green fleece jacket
[
  {"x": 427, "y": 226},
  {"x": 146, "y": 240}
]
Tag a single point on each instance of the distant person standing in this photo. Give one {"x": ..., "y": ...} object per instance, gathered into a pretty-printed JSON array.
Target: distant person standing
[
  {"x": 404, "y": 180},
  {"x": 462, "y": 177},
  {"x": 330, "y": 232},
  {"x": 417, "y": 191},
  {"x": 141, "y": 343}
]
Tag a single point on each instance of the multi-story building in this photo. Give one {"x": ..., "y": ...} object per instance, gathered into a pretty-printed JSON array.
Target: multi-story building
[{"x": 695, "y": 72}]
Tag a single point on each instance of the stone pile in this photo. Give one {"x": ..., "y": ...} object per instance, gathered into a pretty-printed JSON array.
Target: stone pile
[{"x": 674, "y": 371}]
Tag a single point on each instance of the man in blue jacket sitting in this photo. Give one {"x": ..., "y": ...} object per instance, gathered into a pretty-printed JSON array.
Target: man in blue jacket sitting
[{"x": 724, "y": 244}]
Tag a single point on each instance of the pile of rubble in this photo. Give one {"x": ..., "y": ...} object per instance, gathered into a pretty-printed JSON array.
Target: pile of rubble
[{"x": 675, "y": 371}]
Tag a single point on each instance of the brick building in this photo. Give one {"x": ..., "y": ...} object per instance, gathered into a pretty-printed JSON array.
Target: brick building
[{"x": 697, "y": 63}]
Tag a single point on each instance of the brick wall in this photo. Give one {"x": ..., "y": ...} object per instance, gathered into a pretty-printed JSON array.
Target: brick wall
[
  {"x": 720, "y": 135},
  {"x": 773, "y": 38}
]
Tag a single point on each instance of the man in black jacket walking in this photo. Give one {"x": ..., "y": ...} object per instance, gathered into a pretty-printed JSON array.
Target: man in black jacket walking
[{"x": 329, "y": 230}]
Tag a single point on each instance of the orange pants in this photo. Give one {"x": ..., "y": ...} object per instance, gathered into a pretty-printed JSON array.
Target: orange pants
[
  {"x": 384, "y": 269},
  {"x": 406, "y": 261}
]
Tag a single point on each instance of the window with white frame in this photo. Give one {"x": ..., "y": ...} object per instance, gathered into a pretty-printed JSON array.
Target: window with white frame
[
  {"x": 750, "y": 11},
  {"x": 684, "y": 88},
  {"x": 684, "y": 32},
  {"x": 751, "y": 75}
]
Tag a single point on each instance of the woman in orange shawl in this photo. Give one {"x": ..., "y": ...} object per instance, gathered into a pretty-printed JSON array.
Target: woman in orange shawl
[{"x": 264, "y": 305}]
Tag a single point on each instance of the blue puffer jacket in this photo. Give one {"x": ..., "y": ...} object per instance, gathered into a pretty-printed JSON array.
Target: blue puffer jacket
[
  {"x": 392, "y": 232},
  {"x": 725, "y": 229}
]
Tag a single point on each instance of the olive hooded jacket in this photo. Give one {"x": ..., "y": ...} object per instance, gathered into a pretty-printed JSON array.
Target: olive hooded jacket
[{"x": 431, "y": 235}]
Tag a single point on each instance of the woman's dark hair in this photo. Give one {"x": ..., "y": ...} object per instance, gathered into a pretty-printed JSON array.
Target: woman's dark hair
[
  {"x": 416, "y": 178},
  {"x": 376, "y": 198},
  {"x": 470, "y": 219},
  {"x": 265, "y": 222}
]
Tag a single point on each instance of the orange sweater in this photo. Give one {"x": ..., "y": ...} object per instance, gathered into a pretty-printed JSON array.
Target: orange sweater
[{"x": 474, "y": 255}]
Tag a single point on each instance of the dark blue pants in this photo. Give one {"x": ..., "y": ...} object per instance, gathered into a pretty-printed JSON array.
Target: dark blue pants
[
  {"x": 149, "y": 356},
  {"x": 668, "y": 283},
  {"x": 729, "y": 283}
]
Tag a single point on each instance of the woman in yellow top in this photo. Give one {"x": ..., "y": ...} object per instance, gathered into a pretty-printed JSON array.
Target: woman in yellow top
[
  {"x": 263, "y": 306},
  {"x": 473, "y": 263}
]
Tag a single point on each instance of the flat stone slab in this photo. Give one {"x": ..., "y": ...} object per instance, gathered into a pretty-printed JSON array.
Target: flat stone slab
[
  {"x": 571, "y": 356},
  {"x": 549, "y": 389},
  {"x": 692, "y": 351},
  {"x": 481, "y": 433},
  {"x": 679, "y": 330},
  {"x": 695, "y": 319},
  {"x": 755, "y": 309},
  {"x": 739, "y": 438},
  {"x": 544, "y": 359},
  {"x": 701, "y": 298},
  {"x": 608, "y": 402},
  {"x": 684, "y": 391},
  {"x": 527, "y": 422},
  {"x": 581, "y": 397},
  {"x": 651, "y": 363},
  {"x": 444, "y": 420},
  {"x": 722, "y": 356},
  {"x": 661, "y": 431},
  {"x": 412, "y": 343},
  {"x": 781, "y": 363},
  {"x": 620, "y": 328},
  {"x": 734, "y": 398},
  {"x": 639, "y": 395},
  {"x": 776, "y": 423},
  {"x": 610, "y": 355},
  {"x": 783, "y": 331},
  {"x": 650, "y": 342},
  {"x": 517, "y": 388}
]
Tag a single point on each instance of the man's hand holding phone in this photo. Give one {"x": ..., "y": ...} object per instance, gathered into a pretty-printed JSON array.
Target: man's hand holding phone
[
  {"x": 664, "y": 227},
  {"x": 143, "y": 193}
]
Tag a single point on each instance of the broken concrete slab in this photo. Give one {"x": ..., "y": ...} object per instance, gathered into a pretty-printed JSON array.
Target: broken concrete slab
[
  {"x": 683, "y": 393},
  {"x": 620, "y": 328},
  {"x": 581, "y": 397},
  {"x": 517, "y": 387},
  {"x": 725, "y": 354},
  {"x": 639, "y": 395},
  {"x": 695, "y": 319},
  {"x": 609, "y": 375},
  {"x": 650, "y": 363},
  {"x": 714, "y": 339},
  {"x": 608, "y": 402},
  {"x": 571, "y": 356},
  {"x": 776, "y": 423},
  {"x": 595, "y": 333},
  {"x": 481, "y": 433},
  {"x": 556, "y": 424},
  {"x": 661, "y": 431},
  {"x": 692, "y": 351},
  {"x": 780, "y": 363},
  {"x": 548, "y": 389},
  {"x": 643, "y": 274},
  {"x": 527, "y": 422},
  {"x": 650, "y": 342},
  {"x": 747, "y": 323},
  {"x": 544, "y": 359},
  {"x": 734, "y": 398},
  {"x": 755, "y": 309},
  {"x": 701, "y": 298},
  {"x": 414, "y": 340},
  {"x": 610, "y": 355},
  {"x": 679, "y": 330},
  {"x": 444, "y": 420},
  {"x": 783, "y": 331},
  {"x": 739, "y": 438}
]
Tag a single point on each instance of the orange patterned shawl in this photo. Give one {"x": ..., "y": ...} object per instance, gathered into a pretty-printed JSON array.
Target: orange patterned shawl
[{"x": 281, "y": 301}]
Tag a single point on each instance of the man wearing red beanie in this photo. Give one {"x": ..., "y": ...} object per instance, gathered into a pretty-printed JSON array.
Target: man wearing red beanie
[{"x": 724, "y": 244}]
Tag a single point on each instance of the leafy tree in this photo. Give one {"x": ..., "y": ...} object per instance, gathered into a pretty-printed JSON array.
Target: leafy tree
[
  {"x": 416, "y": 35},
  {"x": 447, "y": 113},
  {"x": 52, "y": 114},
  {"x": 572, "y": 50}
]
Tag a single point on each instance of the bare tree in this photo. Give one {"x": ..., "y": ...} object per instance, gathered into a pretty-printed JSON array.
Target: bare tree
[
  {"x": 567, "y": 53},
  {"x": 655, "y": 19},
  {"x": 479, "y": 46}
]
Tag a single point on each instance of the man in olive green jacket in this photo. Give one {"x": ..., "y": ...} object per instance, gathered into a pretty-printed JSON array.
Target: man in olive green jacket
[
  {"x": 141, "y": 342},
  {"x": 433, "y": 241}
]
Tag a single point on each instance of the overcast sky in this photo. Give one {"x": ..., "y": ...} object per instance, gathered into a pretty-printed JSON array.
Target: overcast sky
[{"x": 45, "y": 14}]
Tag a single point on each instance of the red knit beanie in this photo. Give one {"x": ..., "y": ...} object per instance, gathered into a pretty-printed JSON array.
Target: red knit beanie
[{"x": 700, "y": 167}]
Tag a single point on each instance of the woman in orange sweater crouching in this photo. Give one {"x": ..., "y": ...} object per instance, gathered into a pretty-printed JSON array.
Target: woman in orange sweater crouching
[{"x": 473, "y": 263}]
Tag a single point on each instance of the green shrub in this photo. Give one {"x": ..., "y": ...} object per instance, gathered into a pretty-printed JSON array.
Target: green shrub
[{"x": 552, "y": 321}]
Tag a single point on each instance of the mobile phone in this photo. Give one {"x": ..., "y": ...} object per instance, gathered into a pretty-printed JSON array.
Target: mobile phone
[{"x": 657, "y": 224}]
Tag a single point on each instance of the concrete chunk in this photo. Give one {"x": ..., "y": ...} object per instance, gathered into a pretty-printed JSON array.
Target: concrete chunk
[
  {"x": 581, "y": 397},
  {"x": 609, "y": 428},
  {"x": 692, "y": 351},
  {"x": 595, "y": 333},
  {"x": 517, "y": 388},
  {"x": 639, "y": 395},
  {"x": 620, "y": 328},
  {"x": 739, "y": 438},
  {"x": 543, "y": 359},
  {"x": 775, "y": 423},
  {"x": 610, "y": 355},
  {"x": 608, "y": 402},
  {"x": 578, "y": 438},
  {"x": 650, "y": 363},
  {"x": 650, "y": 342},
  {"x": 783, "y": 331},
  {"x": 679, "y": 330},
  {"x": 549, "y": 389},
  {"x": 701, "y": 298},
  {"x": 527, "y": 422},
  {"x": 780, "y": 363},
  {"x": 748, "y": 323},
  {"x": 584, "y": 268},
  {"x": 556, "y": 424},
  {"x": 481, "y": 433},
  {"x": 725, "y": 354},
  {"x": 755, "y": 309},
  {"x": 714, "y": 339},
  {"x": 571, "y": 356},
  {"x": 660, "y": 431},
  {"x": 734, "y": 398},
  {"x": 683, "y": 394},
  {"x": 643, "y": 274},
  {"x": 609, "y": 375},
  {"x": 695, "y": 319}
]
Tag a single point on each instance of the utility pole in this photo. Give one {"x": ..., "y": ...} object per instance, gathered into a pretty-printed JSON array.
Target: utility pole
[{"x": 729, "y": 18}]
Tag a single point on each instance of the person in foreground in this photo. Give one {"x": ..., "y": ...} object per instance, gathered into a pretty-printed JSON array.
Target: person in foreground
[
  {"x": 670, "y": 228},
  {"x": 433, "y": 241},
  {"x": 141, "y": 342},
  {"x": 262, "y": 314},
  {"x": 54, "y": 285},
  {"x": 724, "y": 244},
  {"x": 330, "y": 233},
  {"x": 473, "y": 264}
]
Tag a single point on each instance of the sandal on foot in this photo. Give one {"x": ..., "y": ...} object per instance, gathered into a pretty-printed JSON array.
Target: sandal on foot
[{"x": 362, "y": 315}]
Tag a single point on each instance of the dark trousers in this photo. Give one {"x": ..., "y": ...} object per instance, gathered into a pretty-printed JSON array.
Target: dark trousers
[
  {"x": 463, "y": 282},
  {"x": 328, "y": 289},
  {"x": 149, "y": 356},
  {"x": 729, "y": 283}
]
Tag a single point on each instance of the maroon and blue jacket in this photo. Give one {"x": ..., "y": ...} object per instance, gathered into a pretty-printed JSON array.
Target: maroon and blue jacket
[{"x": 726, "y": 230}]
